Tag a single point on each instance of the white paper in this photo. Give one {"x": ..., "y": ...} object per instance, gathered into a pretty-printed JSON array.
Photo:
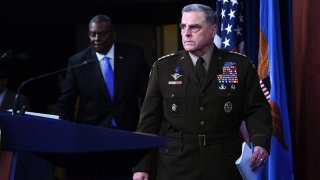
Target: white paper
[
  {"x": 51, "y": 116},
  {"x": 243, "y": 164}
]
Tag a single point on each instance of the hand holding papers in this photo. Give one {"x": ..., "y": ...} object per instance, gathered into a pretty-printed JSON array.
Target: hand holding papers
[{"x": 243, "y": 164}]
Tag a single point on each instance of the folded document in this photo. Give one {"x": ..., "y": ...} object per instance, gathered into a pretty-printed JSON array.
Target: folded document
[{"x": 243, "y": 164}]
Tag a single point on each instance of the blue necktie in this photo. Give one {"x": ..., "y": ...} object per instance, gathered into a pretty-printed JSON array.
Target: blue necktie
[
  {"x": 109, "y": 80},
  {"x": 108, "y": 76}
]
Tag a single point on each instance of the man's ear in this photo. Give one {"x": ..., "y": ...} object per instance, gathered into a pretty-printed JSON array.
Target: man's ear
[{"x": 214, "y": 30}]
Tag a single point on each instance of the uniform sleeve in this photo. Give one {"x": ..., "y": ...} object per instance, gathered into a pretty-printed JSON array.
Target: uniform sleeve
[
  {"x": 150, "y": 119},
  {"x": 152, "y": 109},
  {"x": 257, "y": 111}
]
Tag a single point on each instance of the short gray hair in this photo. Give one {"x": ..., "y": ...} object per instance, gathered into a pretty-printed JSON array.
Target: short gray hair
[{"x": 209, "y": 14}]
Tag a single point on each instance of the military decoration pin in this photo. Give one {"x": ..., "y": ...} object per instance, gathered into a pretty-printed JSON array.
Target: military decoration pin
[
  {"x": 176, "y": 75},
  {"x": 229, "y": 76}
]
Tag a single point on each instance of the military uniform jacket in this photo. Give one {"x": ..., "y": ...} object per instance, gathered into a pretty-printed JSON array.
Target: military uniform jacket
[{"x": 201, "y": 122}]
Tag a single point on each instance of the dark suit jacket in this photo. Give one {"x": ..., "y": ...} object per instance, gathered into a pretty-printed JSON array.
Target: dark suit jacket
[
  {"x": 179, "y": 108},
  {"x": 86, "y": 82}
]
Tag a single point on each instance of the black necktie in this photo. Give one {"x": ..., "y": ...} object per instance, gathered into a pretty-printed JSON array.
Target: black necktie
[{"x": 201, "y": 72}]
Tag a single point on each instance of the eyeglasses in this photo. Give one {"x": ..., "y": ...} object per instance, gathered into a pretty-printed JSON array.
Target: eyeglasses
[{"x": 193, "y": 27}]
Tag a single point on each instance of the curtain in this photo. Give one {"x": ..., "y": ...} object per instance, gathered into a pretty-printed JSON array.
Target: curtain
[{"x": 306, "y": 75}]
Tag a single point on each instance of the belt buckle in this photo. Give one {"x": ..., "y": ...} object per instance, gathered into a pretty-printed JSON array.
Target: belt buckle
[{"x": 202, "y": 140}]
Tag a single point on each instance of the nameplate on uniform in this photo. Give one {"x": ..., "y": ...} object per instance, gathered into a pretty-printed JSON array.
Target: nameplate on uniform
[{"x": 175, "y": 82}]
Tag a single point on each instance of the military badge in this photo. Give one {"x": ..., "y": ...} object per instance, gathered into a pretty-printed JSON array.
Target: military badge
[
  {"x": 222, "y": 87},
  {"x": 176, "y": 76}
]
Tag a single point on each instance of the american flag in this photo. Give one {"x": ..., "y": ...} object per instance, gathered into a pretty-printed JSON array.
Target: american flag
[
  {"x": 231, "y": 25},
  {"x": 231, "y": 34}
]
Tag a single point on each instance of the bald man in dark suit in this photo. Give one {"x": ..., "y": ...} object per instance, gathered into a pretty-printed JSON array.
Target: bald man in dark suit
[
  {"x": 96, "y": 107},
  {"x": 89, "y": 85}
]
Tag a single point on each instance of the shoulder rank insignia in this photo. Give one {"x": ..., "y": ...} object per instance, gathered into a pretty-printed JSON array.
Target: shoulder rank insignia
[
  {"x": 233, "y": 52},
  {"x": 168, "y": 55}
]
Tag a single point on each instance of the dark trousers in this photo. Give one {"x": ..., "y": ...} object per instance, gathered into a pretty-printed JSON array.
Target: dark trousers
[{"x": 97, "y": 175}]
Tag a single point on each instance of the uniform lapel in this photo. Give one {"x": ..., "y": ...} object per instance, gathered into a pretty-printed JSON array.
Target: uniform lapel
[
  {"x": 213, "y": 68},
  {"x": 188, "y": 67}
]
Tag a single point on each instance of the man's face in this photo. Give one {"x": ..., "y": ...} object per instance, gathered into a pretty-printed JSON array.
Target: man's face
[
  {"x": 101, "y": 36},
  {"x": 197, "y": 34}
]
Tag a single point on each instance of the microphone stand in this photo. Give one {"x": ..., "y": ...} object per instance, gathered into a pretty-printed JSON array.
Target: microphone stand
[
  {"x": 5, "y": 54},
  {"x": 21, "y": 110}
]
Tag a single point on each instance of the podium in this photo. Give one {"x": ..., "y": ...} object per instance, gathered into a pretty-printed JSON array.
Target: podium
[{"x": 72, "y": 145}]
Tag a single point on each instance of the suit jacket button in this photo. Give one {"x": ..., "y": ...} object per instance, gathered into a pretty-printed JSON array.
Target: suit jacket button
[{"x": 201, "y": 108}]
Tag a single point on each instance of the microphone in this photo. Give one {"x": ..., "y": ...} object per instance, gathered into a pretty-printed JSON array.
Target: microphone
[
  {"x": 5, "y": 54},
  {"x": 16, "y": 106}
]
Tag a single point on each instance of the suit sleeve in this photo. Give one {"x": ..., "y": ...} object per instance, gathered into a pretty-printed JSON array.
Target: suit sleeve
[
  {"x": 257, "y": 111},
  {"x": 66, "y": 102}
]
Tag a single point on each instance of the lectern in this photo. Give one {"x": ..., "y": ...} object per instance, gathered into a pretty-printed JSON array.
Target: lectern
[{"x": 71, "y": 145}]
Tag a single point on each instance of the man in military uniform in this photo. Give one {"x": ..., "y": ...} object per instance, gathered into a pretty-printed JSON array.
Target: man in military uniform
[{"x": 197, "y": 99}]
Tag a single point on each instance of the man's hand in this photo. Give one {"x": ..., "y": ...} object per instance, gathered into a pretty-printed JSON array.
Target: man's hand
[
  {"x": 140, "y": 176},
  {"x": 259, "y": 156}
]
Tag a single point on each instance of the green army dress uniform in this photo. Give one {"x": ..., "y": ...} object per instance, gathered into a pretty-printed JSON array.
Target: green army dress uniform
[{"x": 201, "y": 122}]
